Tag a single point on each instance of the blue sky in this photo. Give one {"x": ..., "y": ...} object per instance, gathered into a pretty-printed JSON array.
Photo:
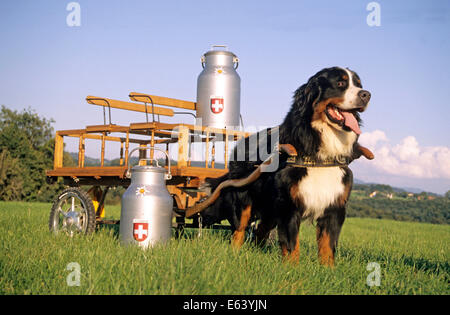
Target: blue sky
[{"x": 155, "y": 47}]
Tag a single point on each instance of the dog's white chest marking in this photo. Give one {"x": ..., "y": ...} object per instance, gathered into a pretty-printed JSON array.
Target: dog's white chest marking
[
  {"x": 319, "y": 189},
  {"x": 334, "y": 144}
]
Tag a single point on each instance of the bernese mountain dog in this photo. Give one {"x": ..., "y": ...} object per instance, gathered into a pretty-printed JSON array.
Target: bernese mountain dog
[{"x": 323, "y": 124}]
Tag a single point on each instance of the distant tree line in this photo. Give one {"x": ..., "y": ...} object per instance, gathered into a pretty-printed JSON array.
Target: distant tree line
[
  {"x": 26, "y": 152},
  {"x": 435, "y": 211},
  {"x": 421, "y": 207}
]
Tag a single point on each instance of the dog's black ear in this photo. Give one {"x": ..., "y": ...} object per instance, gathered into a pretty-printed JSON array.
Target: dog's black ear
[
  {"x": 306, "y": 96},
  {"x": 296, "y": 128}
]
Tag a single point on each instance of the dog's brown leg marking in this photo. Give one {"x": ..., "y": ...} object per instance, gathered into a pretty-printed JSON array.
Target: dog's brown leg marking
[
  {"x": 294, "y": 256},
  {"x": 239, "y": 234},
  {"x": 291, "y": 256},
  {"x": 326, "y": 254},
  {"x": 284, "y": 251}
]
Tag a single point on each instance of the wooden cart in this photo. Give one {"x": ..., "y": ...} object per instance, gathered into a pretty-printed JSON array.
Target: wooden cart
[{"x": 75, "y": 210}]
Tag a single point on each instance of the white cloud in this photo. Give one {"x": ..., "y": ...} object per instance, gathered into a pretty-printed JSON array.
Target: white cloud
[
  {"x": 370, "y": 139},
  {"x": 407, "y": 158}
]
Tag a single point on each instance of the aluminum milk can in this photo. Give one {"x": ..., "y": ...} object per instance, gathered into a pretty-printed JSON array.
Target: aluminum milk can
[
  {"x": 219, "y": 89},
  {"x": 146, "y": 214}
]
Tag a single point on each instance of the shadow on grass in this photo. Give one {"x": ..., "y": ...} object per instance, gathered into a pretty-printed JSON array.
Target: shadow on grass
[
  {"x": 425, "y": 265},
  {"x": 270, "y": 246},
  {"x": 185, "y": 233},
  {"x": 192, "y": 233},
  {"x": 112, "y": 228}
]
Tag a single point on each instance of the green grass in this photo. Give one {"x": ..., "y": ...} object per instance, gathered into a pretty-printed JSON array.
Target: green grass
[{"x": 414, "y": 259}]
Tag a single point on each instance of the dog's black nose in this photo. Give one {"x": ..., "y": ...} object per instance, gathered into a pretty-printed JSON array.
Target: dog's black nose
[{"x": 364, "y": 95}]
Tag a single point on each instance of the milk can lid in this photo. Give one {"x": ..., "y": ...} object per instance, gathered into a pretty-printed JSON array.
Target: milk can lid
[
  {"x": 220, "y": 52},
  {"x": 148, "y": 168},
  {"x": 223, "y": 50}
]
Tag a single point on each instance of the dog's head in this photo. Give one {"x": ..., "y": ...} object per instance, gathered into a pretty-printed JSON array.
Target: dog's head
[
  {"x": 334, "y": 96},
  {"x": 324, "y": 119}
]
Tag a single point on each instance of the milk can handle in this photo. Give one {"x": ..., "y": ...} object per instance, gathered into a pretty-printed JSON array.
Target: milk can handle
[
  {"x": 203, "y": 61},
  {"x": 221, "y": 46},
  {"x": 235, "y": 59},
  {"x": 235, "y": 62},
  {"x": 168, "y": 176}
]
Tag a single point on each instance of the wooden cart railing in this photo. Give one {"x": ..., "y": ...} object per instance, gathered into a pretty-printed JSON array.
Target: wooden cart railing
[{"x": 186, "y": 177}]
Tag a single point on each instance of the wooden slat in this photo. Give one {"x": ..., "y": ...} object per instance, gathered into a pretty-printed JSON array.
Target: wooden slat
[
  {"x": 119, "y": 171},
  {"x": 235, "y": 133},
  {"x": 81, "y": 151},
  {"x": 145, "y": 126},
  {"x": 142, "y": 126},
  {"x": 127, "y": 147},
  {"x": 72, "y": 132},
  {"x": 99, "y": 128},
  {"x": 102, "y": 155},
  {"x": 82, "y": 132},
  {"x": 106, "y": 128},
  {"x": 121, "y": 154},
  {"x": 183, "y": 146},
  {"x": 100, "y": 101},
  {"x": 161, "y": 100},
  {"x": 114, "y": 139},
  {"x": 90, "y": 171},
  {"x": 59, "y": 151},
  {"x": 200, "y": 172}
]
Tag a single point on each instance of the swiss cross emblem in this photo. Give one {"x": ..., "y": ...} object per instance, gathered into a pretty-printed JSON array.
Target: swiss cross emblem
[
  {"x": 140, "y": 230},
  {"x": 217, "y": 105}
]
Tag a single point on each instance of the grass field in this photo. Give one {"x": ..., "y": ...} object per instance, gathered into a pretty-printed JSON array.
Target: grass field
[{"x": 413, "y": 259}]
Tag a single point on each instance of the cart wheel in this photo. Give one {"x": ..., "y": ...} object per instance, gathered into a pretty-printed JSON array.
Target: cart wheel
[{"x": 72, "y": 212}]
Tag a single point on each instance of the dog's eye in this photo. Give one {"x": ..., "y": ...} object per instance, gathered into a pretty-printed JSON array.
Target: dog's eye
[{"x": 341, "y": 83}]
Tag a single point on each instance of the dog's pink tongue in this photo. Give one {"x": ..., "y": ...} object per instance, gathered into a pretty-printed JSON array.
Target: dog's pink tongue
[{"x": 351, "y": 122}]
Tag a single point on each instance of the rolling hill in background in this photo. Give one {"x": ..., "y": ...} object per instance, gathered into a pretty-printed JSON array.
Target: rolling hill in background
[{"x": 397, "y": 189}]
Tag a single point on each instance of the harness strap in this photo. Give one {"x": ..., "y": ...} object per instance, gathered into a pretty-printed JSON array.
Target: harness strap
[{"x": 304, "y": 161}]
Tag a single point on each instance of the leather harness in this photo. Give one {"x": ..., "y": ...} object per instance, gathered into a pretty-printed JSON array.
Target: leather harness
[{"x": 304, "y": 161}]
